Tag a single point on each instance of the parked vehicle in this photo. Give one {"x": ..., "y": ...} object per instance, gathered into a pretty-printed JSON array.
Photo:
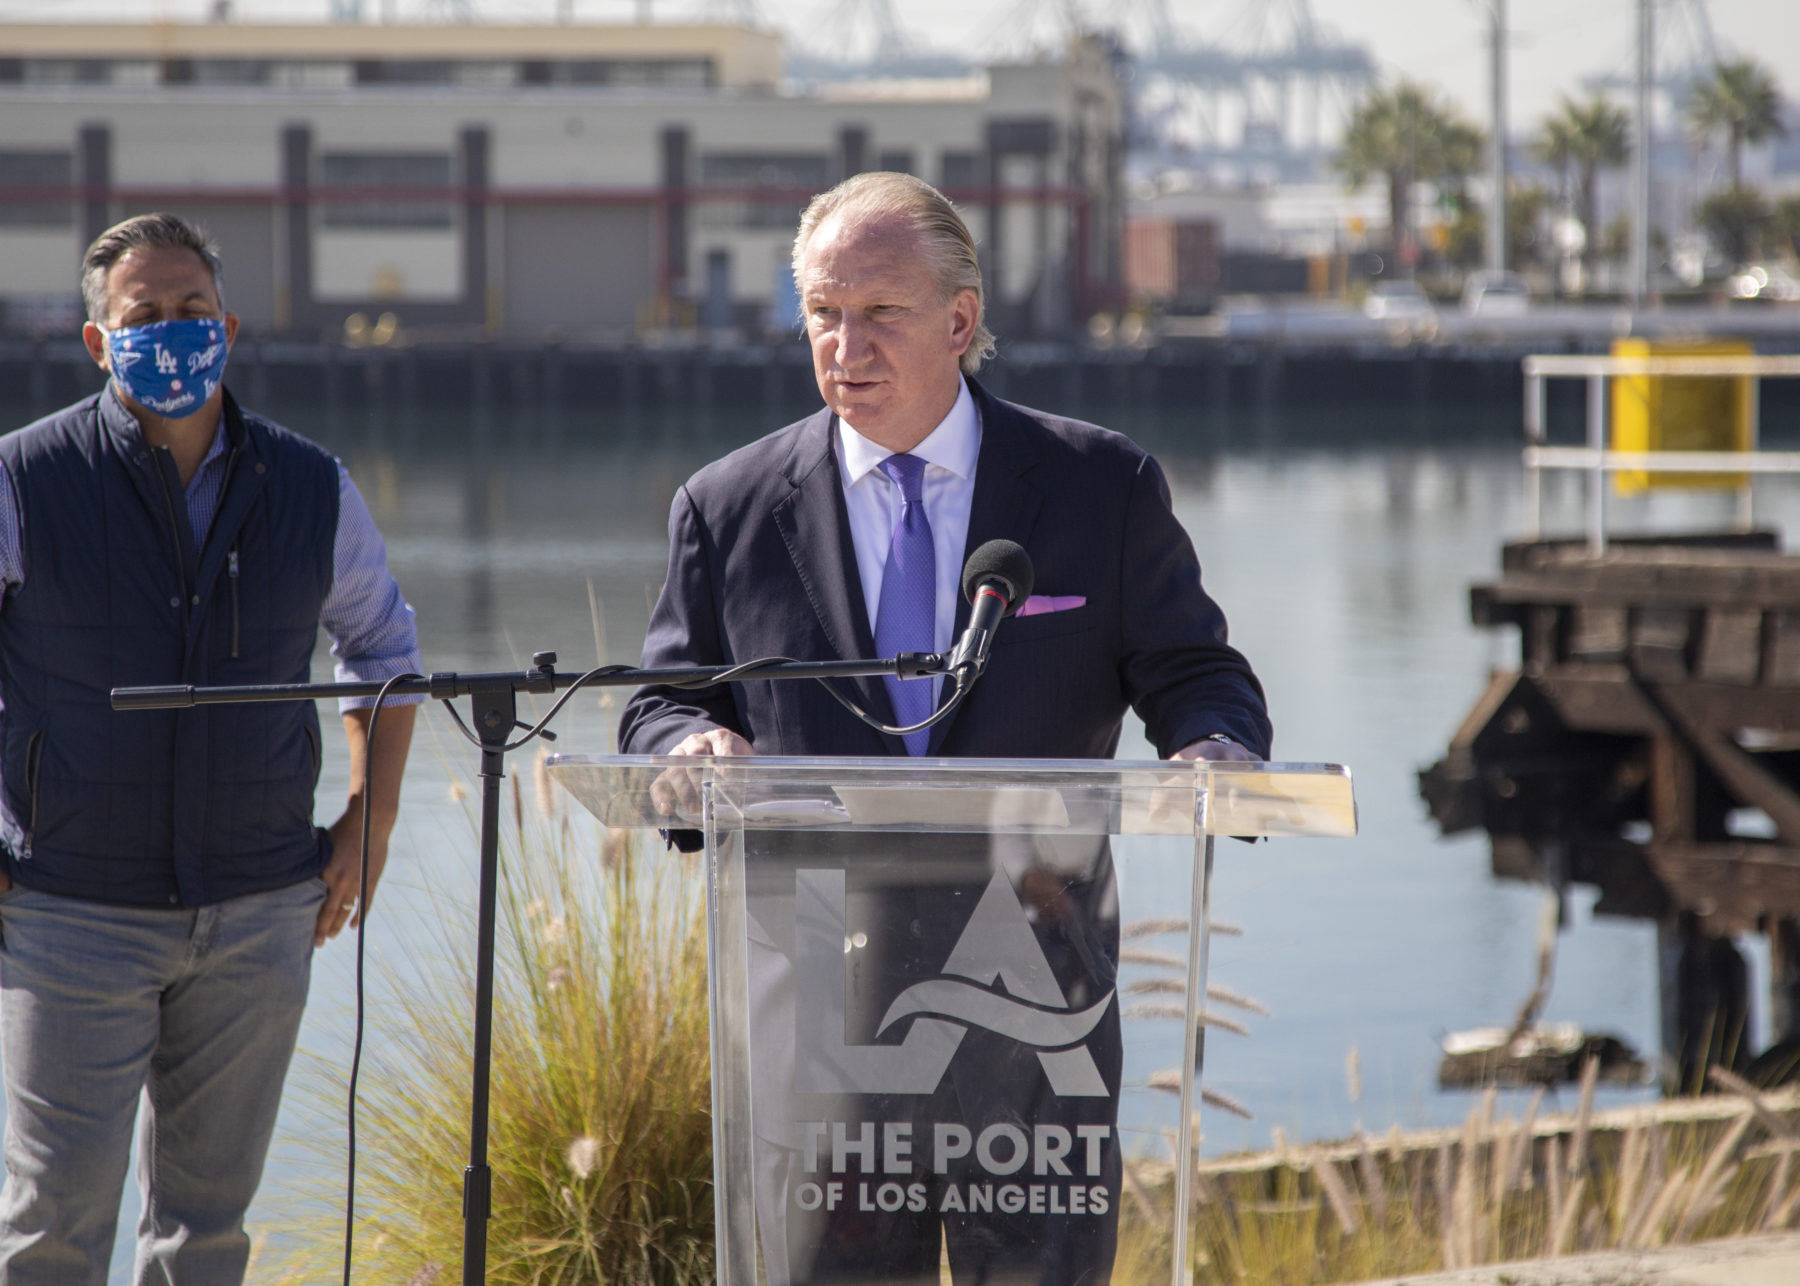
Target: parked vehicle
[
  {"x": 1397, "y": 301},
  {"x": 1495, "y": 294}
]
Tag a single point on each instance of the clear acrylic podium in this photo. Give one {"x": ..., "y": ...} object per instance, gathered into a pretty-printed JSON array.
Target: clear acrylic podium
[{"x": 955, "y": 1002}]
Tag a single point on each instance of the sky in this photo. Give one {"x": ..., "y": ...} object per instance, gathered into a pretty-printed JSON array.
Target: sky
[{"x": 1442, "y": 43}]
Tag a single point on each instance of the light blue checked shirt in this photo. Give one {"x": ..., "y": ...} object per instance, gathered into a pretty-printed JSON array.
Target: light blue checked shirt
[{"x": 373, "y": 635}]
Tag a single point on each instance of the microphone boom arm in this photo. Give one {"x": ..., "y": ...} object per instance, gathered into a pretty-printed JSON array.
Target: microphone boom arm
[{"x": 447, "y": 685}]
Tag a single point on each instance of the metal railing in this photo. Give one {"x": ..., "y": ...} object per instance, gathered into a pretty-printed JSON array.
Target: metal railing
[{"x": 1597, "y": 459}]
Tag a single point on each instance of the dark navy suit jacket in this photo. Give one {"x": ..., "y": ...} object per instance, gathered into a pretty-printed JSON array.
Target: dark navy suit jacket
[{"x": 761, "y": 565}]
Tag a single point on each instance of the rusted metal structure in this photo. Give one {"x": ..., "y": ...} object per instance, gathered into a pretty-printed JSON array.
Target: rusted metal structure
[{"x": 1648, "y": 745}]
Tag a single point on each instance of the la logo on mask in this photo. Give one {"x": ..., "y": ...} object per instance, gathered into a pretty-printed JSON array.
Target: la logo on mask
[{"x": 188, "y": 363}]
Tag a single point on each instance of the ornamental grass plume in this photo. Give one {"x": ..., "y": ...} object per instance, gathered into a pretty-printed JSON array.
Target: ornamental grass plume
[{"x": 601, "y": 1135}]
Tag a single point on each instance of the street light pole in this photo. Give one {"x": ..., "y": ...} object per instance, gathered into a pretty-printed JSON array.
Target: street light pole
[
  {"x": 1496, "y": 221},
  {"x": 1640, "y": 157}
]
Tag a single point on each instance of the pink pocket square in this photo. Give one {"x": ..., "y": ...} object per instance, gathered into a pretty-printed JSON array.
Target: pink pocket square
[{"x": 1039, "y": 604}]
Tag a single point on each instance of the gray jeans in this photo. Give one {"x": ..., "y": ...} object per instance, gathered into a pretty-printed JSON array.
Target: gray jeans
[{"x": 194, "y": 1010}]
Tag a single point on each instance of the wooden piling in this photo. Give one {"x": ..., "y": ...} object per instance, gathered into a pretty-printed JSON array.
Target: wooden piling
[{"x": 1651, "y": 737}]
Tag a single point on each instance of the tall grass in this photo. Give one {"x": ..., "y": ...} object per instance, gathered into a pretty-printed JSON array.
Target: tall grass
[
  {"x": 601, "y": 1135},
  {"x": 1496, "y": 1190}
]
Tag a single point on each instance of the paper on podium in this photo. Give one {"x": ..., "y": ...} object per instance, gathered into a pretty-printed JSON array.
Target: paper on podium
[
  {"x": 956, "y": 807},
  {"x": 783, "y": 813}
]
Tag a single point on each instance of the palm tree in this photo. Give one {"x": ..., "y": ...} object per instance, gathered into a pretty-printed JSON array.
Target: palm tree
[
  {"x": 1735, "y": 221},
  {"x": 1582, "y": 139},
  {"x": 1527, "y": 234},
  {"x": 1787, "y": 224},
  {"x": 1740, "y": 101},
  {"x": 1407, "y": 135}
]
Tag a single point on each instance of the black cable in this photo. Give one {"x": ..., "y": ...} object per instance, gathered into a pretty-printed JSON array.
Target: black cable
[
  {"x": 598, "y": 672},
  {"x": 737, "y": 671},
  {"x": 362, "y": 928},
  {"x": 731, "y": 675},
  {"x": 712, "y": 681},
  {"x": 962, "y": 690}
]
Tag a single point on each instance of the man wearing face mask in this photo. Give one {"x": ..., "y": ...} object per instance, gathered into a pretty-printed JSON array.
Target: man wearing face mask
[{"x": 164, "y": 886}]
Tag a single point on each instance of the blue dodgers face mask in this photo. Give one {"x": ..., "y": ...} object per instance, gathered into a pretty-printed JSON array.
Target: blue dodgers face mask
[{"x": 170, "y": 367}]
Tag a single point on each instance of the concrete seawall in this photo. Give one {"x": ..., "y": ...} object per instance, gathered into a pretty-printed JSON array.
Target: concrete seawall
[{"x": 1205, "y": 375}]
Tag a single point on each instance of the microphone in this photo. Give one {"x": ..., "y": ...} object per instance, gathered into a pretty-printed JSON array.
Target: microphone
[{"x": 996, "y": 580}]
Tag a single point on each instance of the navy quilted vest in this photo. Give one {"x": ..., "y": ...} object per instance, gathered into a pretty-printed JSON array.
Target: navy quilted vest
[{"x": 165, "y": 807}]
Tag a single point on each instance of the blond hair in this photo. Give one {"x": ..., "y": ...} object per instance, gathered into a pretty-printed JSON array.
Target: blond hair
[{"x": 948, "y": 245}]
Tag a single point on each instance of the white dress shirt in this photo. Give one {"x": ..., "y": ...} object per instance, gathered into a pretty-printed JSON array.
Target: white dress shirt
[{"x": 873, "y": 502}]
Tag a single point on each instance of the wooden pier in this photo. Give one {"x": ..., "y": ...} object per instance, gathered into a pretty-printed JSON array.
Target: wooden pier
[{"x": 1648, "y": 745}]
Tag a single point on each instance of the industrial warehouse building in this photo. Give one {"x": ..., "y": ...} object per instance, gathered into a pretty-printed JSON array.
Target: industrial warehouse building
[{"x": 530, "y": 181}]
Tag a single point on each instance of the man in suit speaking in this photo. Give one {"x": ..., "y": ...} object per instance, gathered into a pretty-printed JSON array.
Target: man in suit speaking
[{"x": 845, "y": 535}]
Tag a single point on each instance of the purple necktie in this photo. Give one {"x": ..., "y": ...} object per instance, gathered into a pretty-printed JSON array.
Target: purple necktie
[{"x": 906, "y": 617}]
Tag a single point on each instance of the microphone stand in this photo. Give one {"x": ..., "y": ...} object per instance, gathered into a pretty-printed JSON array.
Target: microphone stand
[{"x": 493, "y": 700}]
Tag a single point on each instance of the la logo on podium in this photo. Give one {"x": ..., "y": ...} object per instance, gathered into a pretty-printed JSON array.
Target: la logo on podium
[{"x": 997, "y": 944}]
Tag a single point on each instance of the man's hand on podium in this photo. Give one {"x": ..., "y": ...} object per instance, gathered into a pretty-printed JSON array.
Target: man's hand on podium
[
  {"x": 676, "y": 792},
  {"x": 1217, "y": 751},
  {"x": 1177, "y": 796}
]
